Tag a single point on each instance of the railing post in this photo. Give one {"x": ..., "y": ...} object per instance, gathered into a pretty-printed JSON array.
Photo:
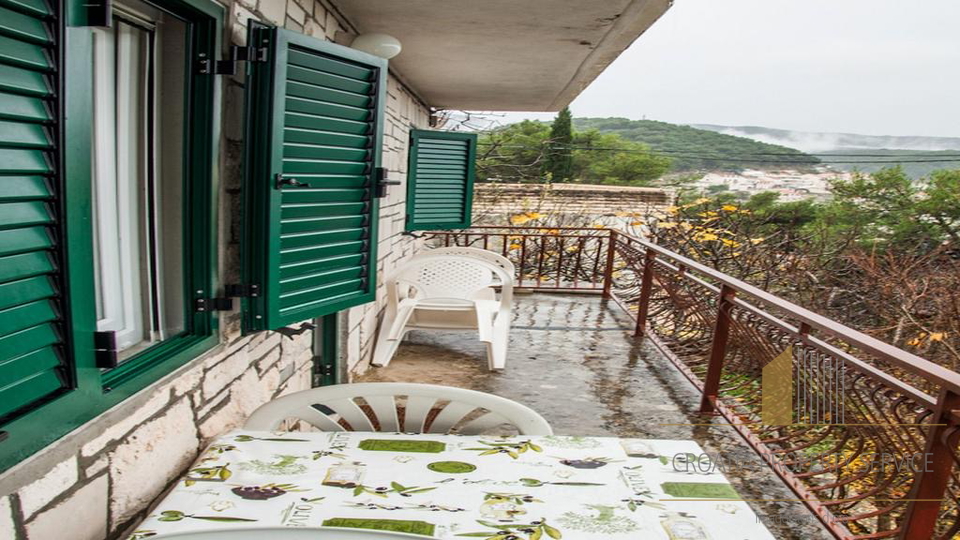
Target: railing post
[
  {"x": 646, "y": 285},
  {"x": 608, "y": 269},
  {"x": 718, "y": 350},
  {"x": 930, "y": 485}
]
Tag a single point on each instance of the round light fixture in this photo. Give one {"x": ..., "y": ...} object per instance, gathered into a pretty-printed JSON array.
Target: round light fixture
[{"x": 382, "y": 45}]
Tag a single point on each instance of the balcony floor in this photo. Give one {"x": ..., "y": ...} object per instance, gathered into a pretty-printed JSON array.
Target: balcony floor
[{"x": 572, "y": 358}]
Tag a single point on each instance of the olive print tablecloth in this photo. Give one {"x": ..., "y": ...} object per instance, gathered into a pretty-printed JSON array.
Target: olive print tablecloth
[{"x": 448, "y": 486}]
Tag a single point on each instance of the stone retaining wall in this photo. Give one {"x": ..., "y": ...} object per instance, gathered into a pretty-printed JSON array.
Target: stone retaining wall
[{"x": 493, "y": 201}]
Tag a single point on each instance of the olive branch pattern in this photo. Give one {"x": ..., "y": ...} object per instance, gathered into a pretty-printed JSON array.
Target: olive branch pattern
[
  {"x": 218, "y": 473},
  {"x": 383, "y": 491},
  {"x": 510, "y": 448},
  {"x": 533, "y": 482},
  {"x": 535, "y": 530},
  {"x": 176, "y": 515},
  {"x": 249, "y": 438},
  {"x": 426, "y": 507}
]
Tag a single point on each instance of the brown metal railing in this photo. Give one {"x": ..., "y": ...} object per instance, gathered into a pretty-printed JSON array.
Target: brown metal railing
[
  {"x": 861, "y": 408},
  {"x": 560, "y": 259}
]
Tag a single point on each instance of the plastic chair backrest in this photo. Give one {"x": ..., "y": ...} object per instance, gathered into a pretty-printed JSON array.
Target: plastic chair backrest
[
  {"x": 476, "y": 253},
  {"x": 449, "y": 407},
  {"x": 451, "y": 276}
]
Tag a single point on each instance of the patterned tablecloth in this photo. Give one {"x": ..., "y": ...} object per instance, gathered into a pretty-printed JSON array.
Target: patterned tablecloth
[{"x": 448, "y": 486}]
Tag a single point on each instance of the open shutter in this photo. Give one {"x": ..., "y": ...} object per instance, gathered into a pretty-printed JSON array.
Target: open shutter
[
  {"x": 32, "y": 366},
  {"x": 440, "y": 179},
  {"x": 315, "y": 120}
]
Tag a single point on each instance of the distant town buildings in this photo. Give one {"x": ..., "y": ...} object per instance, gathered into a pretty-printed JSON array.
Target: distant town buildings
[{"x": 792, "y": 185}]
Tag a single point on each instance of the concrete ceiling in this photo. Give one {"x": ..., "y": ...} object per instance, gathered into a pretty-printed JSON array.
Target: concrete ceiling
[{"x": 508, "y": 55}]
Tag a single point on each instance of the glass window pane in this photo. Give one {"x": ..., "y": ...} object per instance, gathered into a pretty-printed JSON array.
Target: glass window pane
[
  {"x": 138, "y": 176},
  {"x": 172, "y": 39}
]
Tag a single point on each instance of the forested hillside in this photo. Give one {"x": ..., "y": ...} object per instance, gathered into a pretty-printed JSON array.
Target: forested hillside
[
  {"x": 698, "y": 149},
  {"x": 538, "y": 152}
]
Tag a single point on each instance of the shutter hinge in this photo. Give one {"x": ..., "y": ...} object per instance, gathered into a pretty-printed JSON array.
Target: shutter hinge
[
  {"x": 3, "y": 436},
  {"x": 207, "y": 65},
  {"x": 237, "y": 290},
  {"x": 225, "y": 302},
  {"x": 382, "y": 182},
  {"x": 105, "y": 349},
  {"x": 202, "y": 305},
  {"x": 323, "y": 373}
]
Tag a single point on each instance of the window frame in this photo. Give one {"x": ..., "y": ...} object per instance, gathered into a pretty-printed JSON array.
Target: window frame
[
  {"x": 93, "y": 390},
  {"x": 200, "y": 159}
]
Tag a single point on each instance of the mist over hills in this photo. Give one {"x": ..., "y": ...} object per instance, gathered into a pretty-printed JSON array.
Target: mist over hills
[
  {"x": 710, "y": 147},
  {"x": 811, "y": 141}
]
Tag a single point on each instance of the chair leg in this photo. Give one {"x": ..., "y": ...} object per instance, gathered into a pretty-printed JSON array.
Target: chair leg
[
  {"x": 497, "y": 352},
  {"x": 485, "y": 330},
  {"x": 384, "y": 353},
  {"x": 497, "y": 347},
  {"x": 385, "y": 347}
]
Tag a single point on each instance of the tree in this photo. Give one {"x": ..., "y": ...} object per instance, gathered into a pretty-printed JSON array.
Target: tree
[
  {"x": 888, "y": 209},
  {"x": 559, "y": 159},
  {"x": 513, "y": 153},
  {"x": 521, "y": 152},
  {"x": 883, "y": 256},
  {"x": 607, "y": 158}
]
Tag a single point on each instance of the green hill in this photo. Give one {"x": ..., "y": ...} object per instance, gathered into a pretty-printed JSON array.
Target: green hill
[{"x": 698, "y": 149}]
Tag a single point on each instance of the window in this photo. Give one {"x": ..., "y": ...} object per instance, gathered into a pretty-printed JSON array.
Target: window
[
  {"x": 440, "y": 179},
  {"x": 108, "y": 149},
  {"x": 314, "y": 149},
  {"x": 138, "y": 176},
  {"x": 107, "y": 197}
]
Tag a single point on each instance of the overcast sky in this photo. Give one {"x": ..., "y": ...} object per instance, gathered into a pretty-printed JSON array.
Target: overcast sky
[{"x": 877, "y": 67}]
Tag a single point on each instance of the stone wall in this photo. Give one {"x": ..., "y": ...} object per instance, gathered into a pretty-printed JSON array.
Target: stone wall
[
  {"x": 404, "y": 111},
  {"x": 99, "y": 481},
  {"x": 494, "y": 202}
]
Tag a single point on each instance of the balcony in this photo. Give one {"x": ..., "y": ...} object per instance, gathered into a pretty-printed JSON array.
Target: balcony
[{"x": 642, "y": 342}]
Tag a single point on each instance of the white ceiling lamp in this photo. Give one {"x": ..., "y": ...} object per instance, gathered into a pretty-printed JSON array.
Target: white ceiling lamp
[{"x": 382, "y": 45}]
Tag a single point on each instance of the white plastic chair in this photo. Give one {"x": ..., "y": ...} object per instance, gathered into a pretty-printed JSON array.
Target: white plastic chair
[
  {"x": 477, "y": 253},
  {"x": 286, "y": 533},
  {"x": 322, "y": 407},
  {"x": 449, "y": 289}
]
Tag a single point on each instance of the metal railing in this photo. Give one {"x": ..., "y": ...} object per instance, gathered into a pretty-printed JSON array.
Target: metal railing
[{"x": 871, "y": 446}]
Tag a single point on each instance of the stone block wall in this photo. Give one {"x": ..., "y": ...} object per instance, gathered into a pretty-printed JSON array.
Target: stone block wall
[
  {"x": 495, "y": 203},
  {"x": 99, "y": 481}
]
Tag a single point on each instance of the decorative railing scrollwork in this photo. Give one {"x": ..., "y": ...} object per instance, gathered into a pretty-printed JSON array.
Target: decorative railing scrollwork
[{"x": 871, "y": 437}]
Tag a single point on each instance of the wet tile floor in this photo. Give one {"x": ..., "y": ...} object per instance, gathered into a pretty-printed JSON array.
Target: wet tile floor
[{"x": 573, "y": 359}]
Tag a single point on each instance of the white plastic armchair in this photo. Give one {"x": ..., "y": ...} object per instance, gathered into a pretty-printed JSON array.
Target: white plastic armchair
[
  {"x": 426, "y": 408},
  {"x": 286, "y": 533},
  {"x": 476, "y": 253},
  {"x": 449, "y": 289}
]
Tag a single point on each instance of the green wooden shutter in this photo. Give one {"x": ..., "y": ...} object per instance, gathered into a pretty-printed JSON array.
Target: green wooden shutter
[
  {"x": 440, "y": 179},
  {"x": 315, "y": 121},
  {"x": 32, "y": 365}
]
